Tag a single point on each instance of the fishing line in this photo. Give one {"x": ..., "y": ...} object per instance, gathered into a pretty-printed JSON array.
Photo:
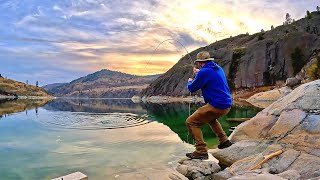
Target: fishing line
[{"x": 171, "y": 39}]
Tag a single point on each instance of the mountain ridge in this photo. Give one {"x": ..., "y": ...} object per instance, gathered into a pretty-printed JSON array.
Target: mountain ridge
[
  {"x": 260, "y": 59},
  {"x": 103, "y": 84}
]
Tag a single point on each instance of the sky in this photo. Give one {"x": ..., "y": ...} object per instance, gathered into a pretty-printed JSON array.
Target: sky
[{"x": 54, "y": 41}]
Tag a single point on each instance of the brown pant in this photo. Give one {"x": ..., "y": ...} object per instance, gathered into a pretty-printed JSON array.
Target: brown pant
[{"x": 206, "y": 114}]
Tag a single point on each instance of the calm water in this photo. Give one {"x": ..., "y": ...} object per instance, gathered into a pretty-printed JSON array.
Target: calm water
[{"x": 105, "y": 139}]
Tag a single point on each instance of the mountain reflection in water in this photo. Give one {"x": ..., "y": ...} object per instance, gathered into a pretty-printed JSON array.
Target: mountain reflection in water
[{"x": 113, "y": 113}]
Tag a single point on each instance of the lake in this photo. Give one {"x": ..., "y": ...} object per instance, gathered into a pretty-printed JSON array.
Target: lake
[{"x": 103, "y": 138}]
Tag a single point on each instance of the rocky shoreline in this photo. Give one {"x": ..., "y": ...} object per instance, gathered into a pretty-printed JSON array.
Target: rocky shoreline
[{"x": 290, "y": 126}]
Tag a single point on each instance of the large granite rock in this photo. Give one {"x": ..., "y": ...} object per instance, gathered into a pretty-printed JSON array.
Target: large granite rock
[
  {"x": 264, "y": 99},
  {"x": 291, "y": 124}
]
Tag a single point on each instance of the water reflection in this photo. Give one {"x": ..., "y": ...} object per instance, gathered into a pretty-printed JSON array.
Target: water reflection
[
  {"x": 9, "y": 106},
  {"x": 174, "y": 115},
  {"x": 95, "y": 106},
  {"x": 122, "y": 113}
]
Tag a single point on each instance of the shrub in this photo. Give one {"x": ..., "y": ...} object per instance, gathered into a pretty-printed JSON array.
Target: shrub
[
  {"x": 314, "y": 70},
  {"x": 309, "y": 15}
]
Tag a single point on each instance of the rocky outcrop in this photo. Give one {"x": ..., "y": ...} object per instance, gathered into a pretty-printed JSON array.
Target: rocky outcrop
[
  {"x": 264, "y": 99},
  {"x": 249, "y": 60},
  {"x": 290, "y": 126}
]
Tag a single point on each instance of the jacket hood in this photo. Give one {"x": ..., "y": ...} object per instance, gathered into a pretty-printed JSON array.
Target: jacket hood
[{"x": 211, "y": 65}]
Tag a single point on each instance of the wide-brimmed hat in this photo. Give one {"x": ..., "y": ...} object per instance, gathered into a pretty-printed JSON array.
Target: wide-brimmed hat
[
  {"x": 203, "y": 56},
  {"x": 204, "y": 60}
]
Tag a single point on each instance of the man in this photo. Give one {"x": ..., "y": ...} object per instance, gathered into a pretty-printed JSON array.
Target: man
[{"x": 215, "y": 91}]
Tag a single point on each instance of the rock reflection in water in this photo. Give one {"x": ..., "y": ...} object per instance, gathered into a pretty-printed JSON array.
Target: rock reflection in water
[
  {"x": 9, "y": 106},
  {"x": 175, "y": 114},
  {"x": 95, "y": 106}
]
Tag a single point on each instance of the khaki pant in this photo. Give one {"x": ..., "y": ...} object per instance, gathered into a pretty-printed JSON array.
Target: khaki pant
[{"x": 206, "y": 114}]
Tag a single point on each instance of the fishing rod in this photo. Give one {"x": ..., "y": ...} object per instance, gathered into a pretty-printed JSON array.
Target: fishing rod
[
  {"x": 170, "y": 39},
  {"x": 192, "y": 63}
]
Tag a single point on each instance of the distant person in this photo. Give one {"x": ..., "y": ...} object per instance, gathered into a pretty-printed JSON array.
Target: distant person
[{"x": 213, "y": 84}]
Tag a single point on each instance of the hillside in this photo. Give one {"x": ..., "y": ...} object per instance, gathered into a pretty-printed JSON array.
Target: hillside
[
  {"x": 102, "y": 84},
  {"x": 259, "y": 59},
  {"x": 10, "y": 87}
]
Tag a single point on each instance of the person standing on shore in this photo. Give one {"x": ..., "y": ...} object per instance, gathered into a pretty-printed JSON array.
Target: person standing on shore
[{"x": 216, "y": 93}]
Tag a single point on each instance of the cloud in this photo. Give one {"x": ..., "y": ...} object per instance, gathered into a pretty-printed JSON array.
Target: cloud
[{"x": 78, "y": 37}]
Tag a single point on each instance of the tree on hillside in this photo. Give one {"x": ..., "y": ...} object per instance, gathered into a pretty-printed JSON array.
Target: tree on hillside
[
  {"x": 309, "y": 15},
  {"x": 272, "y": 27},
  {"x": 318, "y": 9},
  {"x": 288, "y": 19}
]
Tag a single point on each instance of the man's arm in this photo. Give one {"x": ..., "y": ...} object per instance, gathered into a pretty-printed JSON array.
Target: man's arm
[{"x": 198, "y": 82}]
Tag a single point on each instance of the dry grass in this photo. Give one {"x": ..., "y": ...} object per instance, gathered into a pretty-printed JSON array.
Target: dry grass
[{"x": 21, "y": 89}]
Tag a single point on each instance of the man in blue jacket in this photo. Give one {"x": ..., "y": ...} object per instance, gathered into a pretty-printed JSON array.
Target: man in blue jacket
[{"x": 215, "y": 91}]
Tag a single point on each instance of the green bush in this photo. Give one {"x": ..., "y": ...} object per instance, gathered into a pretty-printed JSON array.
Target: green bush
[
  {"x": 314, "y": 70},
  {"x": 297, "y": 60}
]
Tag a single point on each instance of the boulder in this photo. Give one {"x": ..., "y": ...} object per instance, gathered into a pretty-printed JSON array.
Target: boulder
[
  {"x": 291, "y": 124},
  {"x": 197, "y": 169},
  {"x": 292, "y": 82},
  {"x": 264, "y": 99}
]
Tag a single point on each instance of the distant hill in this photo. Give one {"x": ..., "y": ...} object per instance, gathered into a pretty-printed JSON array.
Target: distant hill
[
  {"x": 10, "y": 87},
  {"x": 253, "y": 60},
  {"x": 52, "y": 86},
  {"x": 102, "y": 84}
]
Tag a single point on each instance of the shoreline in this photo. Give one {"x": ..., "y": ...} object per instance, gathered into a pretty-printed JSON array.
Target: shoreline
[{"x": 26, "y": 97}]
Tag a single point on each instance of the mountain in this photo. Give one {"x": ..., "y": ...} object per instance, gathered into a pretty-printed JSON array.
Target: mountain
[
  {"x": 52, "y": 86},
  {"x": 253, "y": 60},
  {"x": 102, "y": 84},
  {"x": 10, "y": 87}
]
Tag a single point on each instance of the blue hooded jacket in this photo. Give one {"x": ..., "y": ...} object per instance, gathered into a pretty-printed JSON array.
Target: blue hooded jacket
[{"x": 213, "y": 84}]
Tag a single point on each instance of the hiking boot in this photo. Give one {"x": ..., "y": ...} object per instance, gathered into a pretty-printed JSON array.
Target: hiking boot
[
  {"x": 225, "y": 144},
  {"x": 196, "y": 155}
]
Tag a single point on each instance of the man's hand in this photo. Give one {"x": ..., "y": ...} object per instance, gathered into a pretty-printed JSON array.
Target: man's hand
[
  {"x": 195, "y": 71},
  {"x": 190, "y": 79}
]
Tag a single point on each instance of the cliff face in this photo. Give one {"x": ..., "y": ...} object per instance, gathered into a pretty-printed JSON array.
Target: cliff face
[
  {"x": 250, "y": 60},
  {"x": 102, "y": 84}
]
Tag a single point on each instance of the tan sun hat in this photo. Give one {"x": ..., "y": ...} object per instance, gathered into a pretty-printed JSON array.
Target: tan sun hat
[{"x": 203, "y": 56}]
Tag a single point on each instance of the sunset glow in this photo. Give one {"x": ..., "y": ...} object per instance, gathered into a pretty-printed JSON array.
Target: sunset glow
[{"x": 58, "y": 41}]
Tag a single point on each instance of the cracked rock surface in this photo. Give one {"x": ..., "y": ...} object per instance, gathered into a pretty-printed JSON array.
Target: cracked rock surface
[{"x": 291, "y": 124}]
